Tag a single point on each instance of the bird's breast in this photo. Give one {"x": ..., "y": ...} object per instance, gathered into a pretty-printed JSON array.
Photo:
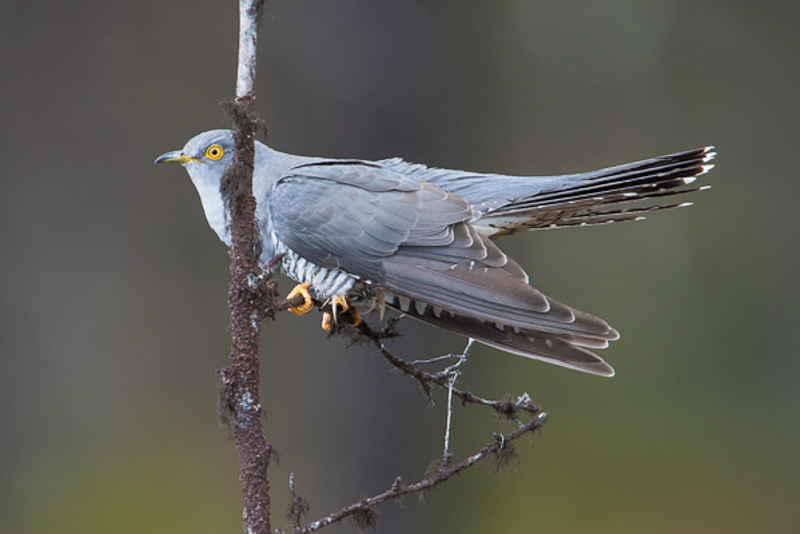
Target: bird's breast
[{"x": 325, "y": 282}]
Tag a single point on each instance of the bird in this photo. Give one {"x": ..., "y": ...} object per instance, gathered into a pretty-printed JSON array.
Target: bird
[{"x": 421, "y": 240}]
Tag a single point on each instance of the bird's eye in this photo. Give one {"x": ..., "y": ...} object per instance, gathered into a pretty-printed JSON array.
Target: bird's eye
[{"x": 214, "y": 152}]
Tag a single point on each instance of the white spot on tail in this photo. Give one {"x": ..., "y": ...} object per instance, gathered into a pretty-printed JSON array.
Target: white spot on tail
[{"x": 405, "y": 303}]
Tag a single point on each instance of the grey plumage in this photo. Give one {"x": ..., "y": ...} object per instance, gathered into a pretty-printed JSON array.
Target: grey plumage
[{"x": 423, "y": 237}]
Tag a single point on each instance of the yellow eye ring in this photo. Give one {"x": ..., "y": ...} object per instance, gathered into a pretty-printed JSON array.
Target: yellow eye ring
[{"x": 214, "y": 152}]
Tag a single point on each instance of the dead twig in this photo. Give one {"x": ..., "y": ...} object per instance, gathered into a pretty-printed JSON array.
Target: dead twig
[
  {"x": 500, "y": 449},
  {"x": 505, "y": 407}
]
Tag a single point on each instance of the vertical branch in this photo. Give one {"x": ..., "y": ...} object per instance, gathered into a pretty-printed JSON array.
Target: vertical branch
[
  {"x": 249, "y": 19},
  {"x": 240, "y": 379}
]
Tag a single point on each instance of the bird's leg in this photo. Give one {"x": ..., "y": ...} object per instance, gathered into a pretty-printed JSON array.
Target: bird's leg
[
  {"x": 328, "y": 318},
  {"x": 301, "y": 289}
]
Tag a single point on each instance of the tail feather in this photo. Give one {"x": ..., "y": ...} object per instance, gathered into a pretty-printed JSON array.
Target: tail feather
[
  {"x": 577, "y": 200},
  {"x": 563, "y": 351},
  {"x": 505, "y": 205}
]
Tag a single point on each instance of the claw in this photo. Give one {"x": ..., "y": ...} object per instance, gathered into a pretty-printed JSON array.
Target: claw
[
  {"x": 337, "y": 301},
  {"x": 301, "y": 289},
  {"x": 356, "y": 317},
  {"x": 328, "y": 318},
  {"x": 381, "y": 303}
]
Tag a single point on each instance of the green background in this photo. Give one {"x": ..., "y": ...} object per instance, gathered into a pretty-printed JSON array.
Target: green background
[{"x": 113, "y": 313}]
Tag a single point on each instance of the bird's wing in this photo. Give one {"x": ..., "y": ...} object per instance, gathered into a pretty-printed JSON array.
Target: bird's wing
[
  {"x": 414, "y": 240},
  {"x": 352, "y": 215},
  {"x": 505, "y": 205}
]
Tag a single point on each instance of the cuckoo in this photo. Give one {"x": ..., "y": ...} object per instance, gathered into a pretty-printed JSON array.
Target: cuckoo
[{"x": 421, "y": 240}]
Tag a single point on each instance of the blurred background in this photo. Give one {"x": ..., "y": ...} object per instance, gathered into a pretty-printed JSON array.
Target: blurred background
[{"x": 113, "y": 311}]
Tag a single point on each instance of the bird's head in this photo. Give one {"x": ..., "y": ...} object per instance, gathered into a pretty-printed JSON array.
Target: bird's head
[
  {"x": 210, "y": 151},
  {"x": 205, "y": 157}
]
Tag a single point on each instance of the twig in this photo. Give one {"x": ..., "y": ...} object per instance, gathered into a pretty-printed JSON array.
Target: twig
[
  {"x": 297, "y": 508},
  {"x": 499, "y": 448},
  {"x": 504, "y": 407},
  {"x": 446, "y": 455},
  {"x": 437, "y": 359},
  {"x": 454, "y": 374}
]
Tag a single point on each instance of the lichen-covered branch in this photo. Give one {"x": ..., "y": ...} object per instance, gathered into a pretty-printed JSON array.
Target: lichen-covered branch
[
  {"x": 239, "y": 389},
  {"x": 252, "y": 297}
]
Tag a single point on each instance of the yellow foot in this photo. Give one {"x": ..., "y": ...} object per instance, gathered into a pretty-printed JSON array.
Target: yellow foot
[
  {"x": 356, "y": 317},
  {"x": 352, "y": 317},
  {"x": 301, "y": 289},
  {"x": 336, "y": 303}
]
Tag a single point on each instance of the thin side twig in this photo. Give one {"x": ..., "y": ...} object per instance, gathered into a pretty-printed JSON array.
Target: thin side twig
[
  {"x": 500, "y": 444},
  {"x": 454, "y": 373},
  {"x": 500, "y": 449},
  {"x": 505, "y": 407}
]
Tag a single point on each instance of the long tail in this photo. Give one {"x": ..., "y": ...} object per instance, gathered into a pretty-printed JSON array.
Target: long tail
[
  {"x": 505, "y": 312},
  {"x": 505, "y": 205},
  {"x": 581, "y": 200}
]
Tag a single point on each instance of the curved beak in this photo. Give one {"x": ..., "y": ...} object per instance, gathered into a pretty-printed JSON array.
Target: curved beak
[{"x": 174, "y": 157}]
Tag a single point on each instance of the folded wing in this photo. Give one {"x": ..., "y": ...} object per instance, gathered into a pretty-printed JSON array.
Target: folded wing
[{"x": 414, "y": 240}]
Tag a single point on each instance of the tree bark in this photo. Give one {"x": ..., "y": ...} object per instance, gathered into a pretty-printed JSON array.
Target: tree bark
[{"x": 240, "y": 380}]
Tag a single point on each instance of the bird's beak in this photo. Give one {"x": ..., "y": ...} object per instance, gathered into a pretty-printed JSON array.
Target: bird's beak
[{"x": 175, "y": 157}]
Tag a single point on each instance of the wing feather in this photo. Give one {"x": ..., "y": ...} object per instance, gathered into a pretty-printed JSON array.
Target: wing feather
[{"x": 415, "y": 240}]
